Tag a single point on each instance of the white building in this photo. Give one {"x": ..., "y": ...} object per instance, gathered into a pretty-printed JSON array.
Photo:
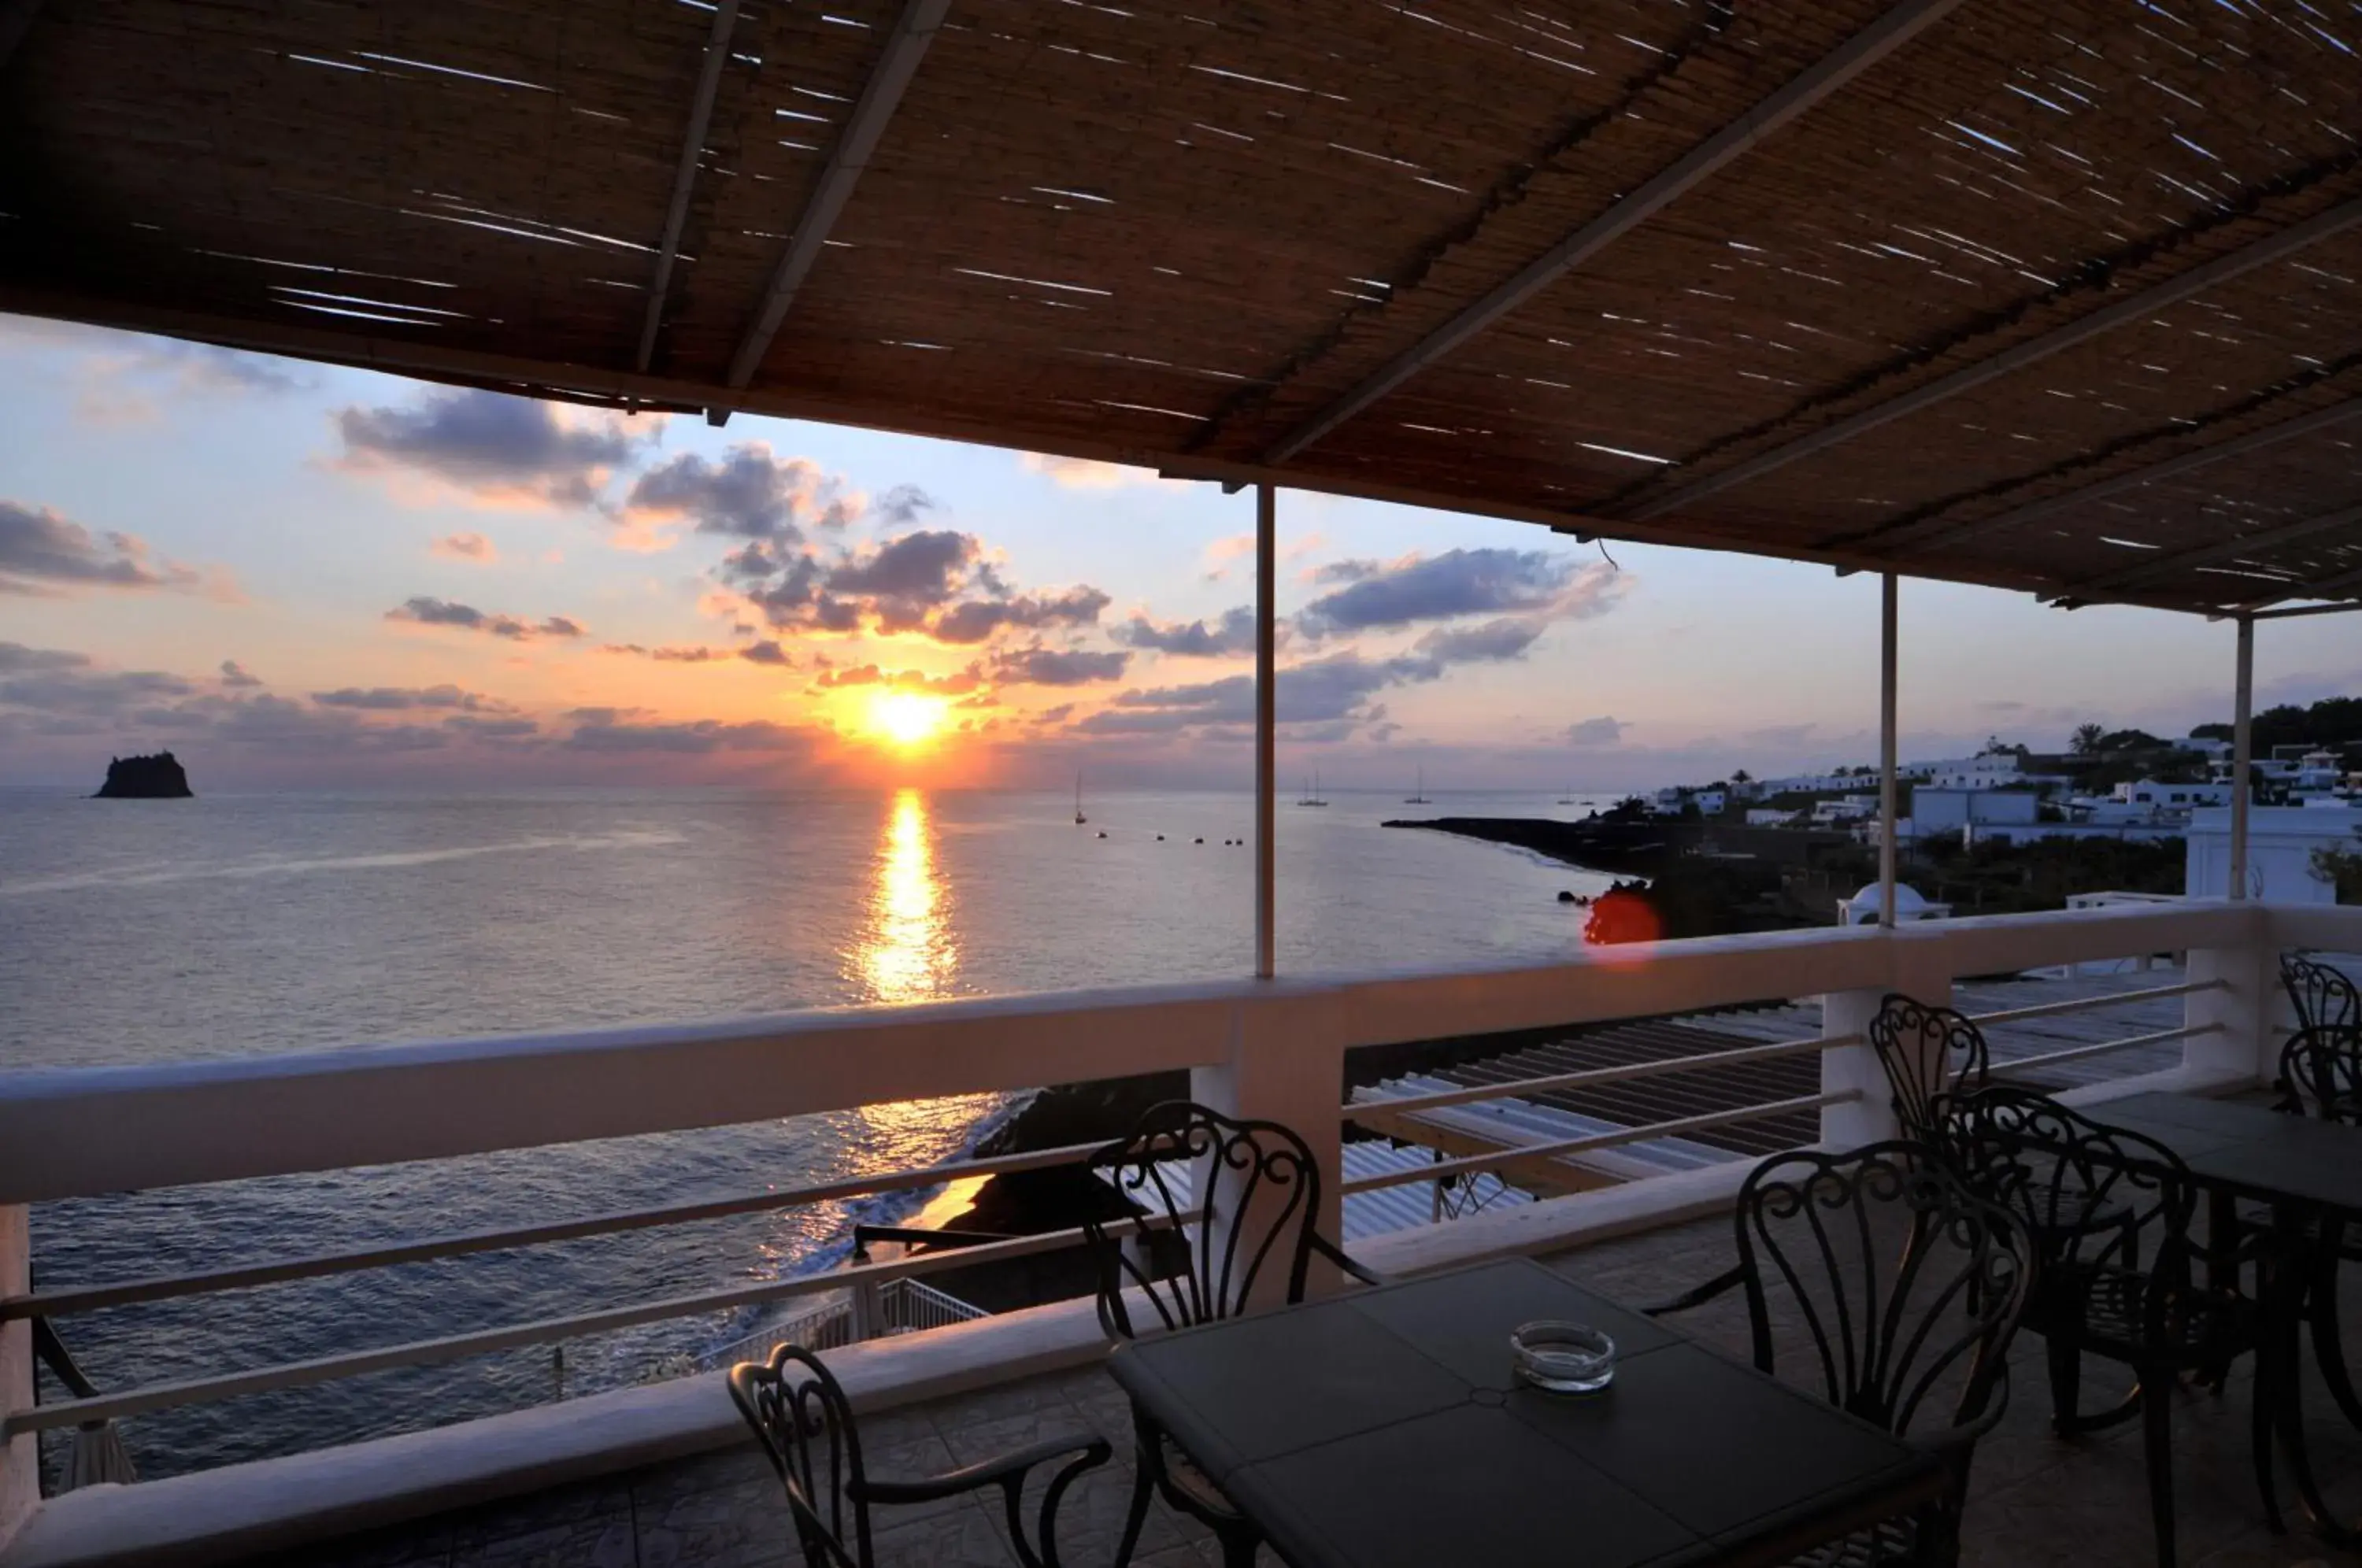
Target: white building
[
  {"x": 1808, "y": 783},
  {"x": 2157, "y": 796},
  {"x": 1991, "y": 771},
  {"x": 1936, "y": 811},
  {"x": 2280, "y": 841},
  {"x": 1764, "y": 816},
  {"x": 1847, "y": 809}
]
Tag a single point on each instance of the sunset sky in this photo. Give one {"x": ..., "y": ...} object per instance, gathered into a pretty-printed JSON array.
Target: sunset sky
[{"x": 294, "y": 576}]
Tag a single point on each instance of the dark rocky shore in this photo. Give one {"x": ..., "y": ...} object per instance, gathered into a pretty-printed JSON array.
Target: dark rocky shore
[{"x": 1645, "y": 849}]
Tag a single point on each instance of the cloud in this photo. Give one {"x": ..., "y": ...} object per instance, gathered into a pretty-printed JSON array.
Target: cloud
[
  {"x": 1456, "y": 583},
  {"x": 125, "y": 378},
  {"x": 900, "y": 506},
  {"x": 607, "y": 730},
  {"x": 235, "y": 675},
  {"x": 748, "y": 494},
  {"x": 1084, "y": 473},
  {"x": 1332, "y": 689},
  {"x": 1602, "y": 730},
  {"x": 42, "y": 552},
  {"x": 427, "y": 611},
  {"x": 498, "y": 449},
  {"x": 16, "y": 657},
  {"x": 1780, "y": 735},
  {"x": 1493, "y": 641},
  {"x": 1054, "y": 667},
  {"x": 690, "y": 654},
  {"x": 765, "y": 652},
  {"x": 978, "y": 619},
  {"x": 401, "y": 699},
  {"x": 509, "y": 730},
  {"x": 935, "y": 582},
  {"x": 925, "y": 568},
  {"x": 1232, "y": 633},
  {"x": 465, "y": 548},
  {"x": 75, "y": 689},
  {"x": 966, "y": 681}
]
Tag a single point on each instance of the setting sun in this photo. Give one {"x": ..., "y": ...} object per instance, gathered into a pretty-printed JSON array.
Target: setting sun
[{"x": 907, "y": 719}]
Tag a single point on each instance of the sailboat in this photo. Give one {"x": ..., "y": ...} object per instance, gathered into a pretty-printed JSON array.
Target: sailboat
[
  {"x": 1312, "y": 792},
  {"x": 1417, "y": 796},
  {"x": 1079, "y": 818},
  {"x": 1568, "y": 799}
]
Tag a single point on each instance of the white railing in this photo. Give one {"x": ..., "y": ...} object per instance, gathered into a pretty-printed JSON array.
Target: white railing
[
  {"x": 1274, "y": 1049},
  {"x": 904, "y": 1306}
]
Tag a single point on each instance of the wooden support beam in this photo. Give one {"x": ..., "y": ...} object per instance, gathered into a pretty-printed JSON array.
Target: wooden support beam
[
  {"x": 1935, "y": 534},
  {"x": 1898, "y": 26},
  {"x": 693, "y": 146},
  {"x": 880, "y": 95},
  {"x": 2165, "y": 564},
  {"x": 2033, "y": 351}
]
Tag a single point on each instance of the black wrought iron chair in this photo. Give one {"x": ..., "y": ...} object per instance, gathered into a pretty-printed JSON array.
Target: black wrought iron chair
[
  {"x": 2321, "y": 1075},
  {"x": 1197, "y": 1252},
  {"x": 1927, "y": 1052},
  {"x": 2324, "y": 998},
  {"x": 806, "y": 1426},
  {"x": 1908, "y": 1287},
  {"x": 2321, "y": 1072},
  {"x": 2119, "y": 1275}
]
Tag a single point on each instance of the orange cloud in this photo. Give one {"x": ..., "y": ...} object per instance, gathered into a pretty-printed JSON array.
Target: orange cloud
[{"x": 466, "y": 547}]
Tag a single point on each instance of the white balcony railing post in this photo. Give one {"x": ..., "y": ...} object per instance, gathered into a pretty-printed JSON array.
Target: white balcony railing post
[
  {"x": 1286, "y": 1063},
  {"x": 20, "y": 1485},
  {"x": 1919, "y": 965},
  {"x": 2242, "y": 1008}
]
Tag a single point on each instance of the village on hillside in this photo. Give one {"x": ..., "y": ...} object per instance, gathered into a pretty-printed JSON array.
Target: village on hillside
[{"x": 2121, "y": 815}]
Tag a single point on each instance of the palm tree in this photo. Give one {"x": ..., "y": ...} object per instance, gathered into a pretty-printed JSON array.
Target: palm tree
[{"x": 2087, "y": 739}]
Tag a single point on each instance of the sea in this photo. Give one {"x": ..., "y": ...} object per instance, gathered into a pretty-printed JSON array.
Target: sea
[{"x": 248, "y": 924}]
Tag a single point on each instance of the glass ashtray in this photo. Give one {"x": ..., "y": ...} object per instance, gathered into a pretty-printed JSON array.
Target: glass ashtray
[{"x": 1564, "y": 1358}]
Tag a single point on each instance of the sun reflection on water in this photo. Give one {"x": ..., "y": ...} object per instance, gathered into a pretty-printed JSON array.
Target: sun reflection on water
[{"x": 907, "y": 951}]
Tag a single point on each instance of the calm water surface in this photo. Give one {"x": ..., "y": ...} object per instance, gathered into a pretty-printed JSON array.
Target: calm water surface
[{"x": 235, "y": 926}]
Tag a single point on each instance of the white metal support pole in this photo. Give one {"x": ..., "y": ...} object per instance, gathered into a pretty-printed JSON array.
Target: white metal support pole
[
  {"x": 2243, "y": 752},
  {"x": 1887, "y": 792},
  {"x": 1266, "y": 726}
]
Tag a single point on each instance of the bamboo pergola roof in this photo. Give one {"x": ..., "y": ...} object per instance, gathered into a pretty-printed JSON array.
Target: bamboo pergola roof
[{"x": 2052, "y": 294}]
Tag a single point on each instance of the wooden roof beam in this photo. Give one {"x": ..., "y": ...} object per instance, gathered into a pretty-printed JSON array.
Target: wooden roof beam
[
  {"x": 2138, "y": 308},
  {"x": 880, "y": 95},
  {"x": 1898, "y": 26},
  {"x": 1933, "y": 534},
  {"x": 693, "y": 146},
  {"x": 2166, "y": 565}
]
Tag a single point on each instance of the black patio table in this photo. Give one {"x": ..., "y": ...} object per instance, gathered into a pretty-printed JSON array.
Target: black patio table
[
  {"x": 2299, "y": 1165},
  {"x": 1384, "y": 1427}
]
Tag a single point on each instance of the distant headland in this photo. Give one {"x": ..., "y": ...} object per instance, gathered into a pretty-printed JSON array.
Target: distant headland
[{"x": 157, "y": 778}]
